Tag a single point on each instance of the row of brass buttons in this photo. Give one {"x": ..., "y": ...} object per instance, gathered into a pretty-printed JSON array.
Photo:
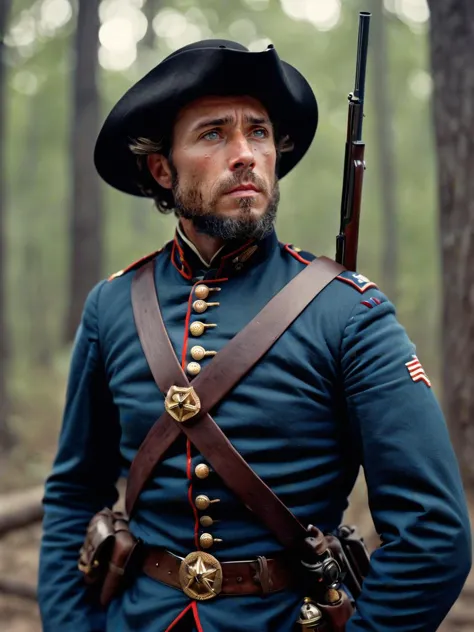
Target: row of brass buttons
[
  {"x": 202, "y": 471},
  {"x": 202, "y": 502},
  {"x": 198, "y": 328}
]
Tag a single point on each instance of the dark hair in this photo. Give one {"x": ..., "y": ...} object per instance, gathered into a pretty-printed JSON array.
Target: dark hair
[{"x": 142, "y": 148}]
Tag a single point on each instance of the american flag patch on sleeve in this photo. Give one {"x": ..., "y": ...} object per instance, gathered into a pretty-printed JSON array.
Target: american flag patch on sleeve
[{"x": 416, "y": 371}]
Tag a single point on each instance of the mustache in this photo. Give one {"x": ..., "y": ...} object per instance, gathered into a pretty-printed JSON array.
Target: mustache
[{"x": 240, "y": 178}]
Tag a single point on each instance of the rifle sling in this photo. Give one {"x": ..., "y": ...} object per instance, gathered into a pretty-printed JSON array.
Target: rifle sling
[{"x": 212, "y": 384}]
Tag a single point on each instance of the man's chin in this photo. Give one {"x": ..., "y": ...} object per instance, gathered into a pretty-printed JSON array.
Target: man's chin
[
  {"x": 234, "y": 203},
  {"x": 241, "y": 224},
  {"x": 230, "y": 219}
]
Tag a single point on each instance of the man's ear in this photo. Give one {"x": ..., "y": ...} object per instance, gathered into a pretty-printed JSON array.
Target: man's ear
[{"x": 160, "y": 170}]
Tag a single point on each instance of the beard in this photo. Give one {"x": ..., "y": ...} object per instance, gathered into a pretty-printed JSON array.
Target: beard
[{"x": 189, "y": 204}]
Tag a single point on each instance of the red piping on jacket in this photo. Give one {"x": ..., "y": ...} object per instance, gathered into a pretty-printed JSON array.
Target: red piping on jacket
[
  {"x": 232, "y": 254},
  {"x": 190, "y": 493},
  {"x": 179, "y": 617},
  {"x": 134, "y": 264},
  {"x": 296, "y": 255},
  {"x": 186, "y": 272},
  {"x": 196, "y": 617},
  {"x": 362, "y": 289}
]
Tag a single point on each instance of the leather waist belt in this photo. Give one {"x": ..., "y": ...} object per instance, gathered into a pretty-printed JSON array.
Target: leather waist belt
[{"x": 201, "y": 576}]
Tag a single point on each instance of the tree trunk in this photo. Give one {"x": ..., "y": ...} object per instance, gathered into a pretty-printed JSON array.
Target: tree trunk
[
  {"x": 5, "y": 434},
  {"x": 452, "y": 42},
  {"x": 37, "y": 344},
  {"x": 385, "y": 144},
  {"x": 147, "y": 59},
  {"x": 86, "y": 219},
  {"x": 150, "y": 9}
]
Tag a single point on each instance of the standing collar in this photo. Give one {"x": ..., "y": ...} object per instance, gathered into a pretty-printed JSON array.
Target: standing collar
[
  {"x": 183, "y": 238},
  {"x": 233, "y": 257}
]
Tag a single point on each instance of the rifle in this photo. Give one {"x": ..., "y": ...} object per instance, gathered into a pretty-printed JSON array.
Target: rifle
[{"x": 354, "y": 165}]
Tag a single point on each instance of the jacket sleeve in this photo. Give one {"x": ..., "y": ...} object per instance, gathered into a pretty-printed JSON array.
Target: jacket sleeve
[
  {"x": 415, "y": 492},
  {"x": 82, "y": 482}
]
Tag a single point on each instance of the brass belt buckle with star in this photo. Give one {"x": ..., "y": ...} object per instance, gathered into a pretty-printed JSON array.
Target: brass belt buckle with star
[
  {"x": 200, "y": 576},
  {"x": 182, "y": 403}
]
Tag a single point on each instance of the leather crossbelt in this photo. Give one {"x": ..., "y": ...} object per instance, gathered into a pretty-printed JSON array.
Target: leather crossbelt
[
  {"x": 256, "y": 577},
  {"x": 188, "y": 406}
]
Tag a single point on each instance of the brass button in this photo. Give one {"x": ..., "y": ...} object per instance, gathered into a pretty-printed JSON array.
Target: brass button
[
  {"x": 197, "y": 328},
  {"x": 202, "y": 502},
  {"x": 198, "y": 353},
  {"x": 201, "y": 306},
  {"x": 193, "y": 368},
  {"x": 202, "y": 291},
  {"x": 206, "y": 540},
  {"x": 206, "y": 521},
  {"x": 202, "y": 470}
]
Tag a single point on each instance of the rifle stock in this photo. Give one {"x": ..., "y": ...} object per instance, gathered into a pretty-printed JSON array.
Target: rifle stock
[{"x": 354, "y": 164}]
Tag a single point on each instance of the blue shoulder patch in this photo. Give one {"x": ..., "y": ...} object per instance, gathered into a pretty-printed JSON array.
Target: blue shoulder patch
[{"x": 359, "y": 281}]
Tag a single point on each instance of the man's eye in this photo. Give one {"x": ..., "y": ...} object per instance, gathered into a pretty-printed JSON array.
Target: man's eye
[
  {"x": 261, "y": 132},
  {"x": 212, "y": 135}
]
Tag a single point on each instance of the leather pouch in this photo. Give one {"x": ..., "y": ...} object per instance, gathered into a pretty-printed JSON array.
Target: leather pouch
[
  {"x": 348, "y": 548},
  {"x": 329, "y": 565},
  {"x": 107, "y": 554},
  {"x": 337, "y": 614}
]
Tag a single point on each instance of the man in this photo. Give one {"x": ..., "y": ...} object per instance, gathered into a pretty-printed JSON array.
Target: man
[{"x": 209, "y": 132}]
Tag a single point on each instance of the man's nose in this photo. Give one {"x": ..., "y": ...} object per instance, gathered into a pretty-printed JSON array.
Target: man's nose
[{"x": 242, "y": 156}]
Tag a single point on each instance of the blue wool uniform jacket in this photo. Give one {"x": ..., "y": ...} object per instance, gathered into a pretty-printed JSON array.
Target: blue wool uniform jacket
[{"x": 339, "y": 389}]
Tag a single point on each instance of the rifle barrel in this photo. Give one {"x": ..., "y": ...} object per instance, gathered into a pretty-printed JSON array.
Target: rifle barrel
[
  {"x": 347, "y": 239},
  {"x": 361, "y": 64}
]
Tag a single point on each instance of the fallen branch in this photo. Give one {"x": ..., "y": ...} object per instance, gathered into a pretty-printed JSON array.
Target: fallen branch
[
  {"x": 18, "y": 589},
  {"x": 20, "y": 509}
]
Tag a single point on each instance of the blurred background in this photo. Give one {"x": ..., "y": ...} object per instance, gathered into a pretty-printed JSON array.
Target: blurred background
[{"x": 64, "y": 63}]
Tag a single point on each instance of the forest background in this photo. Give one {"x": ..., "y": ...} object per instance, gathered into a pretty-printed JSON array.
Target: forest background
[{"x": 52, "y": 104}]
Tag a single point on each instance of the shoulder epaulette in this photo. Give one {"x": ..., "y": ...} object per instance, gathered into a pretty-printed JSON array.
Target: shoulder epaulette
[
  {"x": 293, "y": 247},
  {"x": 134, "y": 265},
  {"x": 359, "y": 281},
  {"x": 297, "y": 253}
]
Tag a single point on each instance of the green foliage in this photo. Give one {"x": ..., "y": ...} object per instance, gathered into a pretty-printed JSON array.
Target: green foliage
[{"x": 38, "y": 152}]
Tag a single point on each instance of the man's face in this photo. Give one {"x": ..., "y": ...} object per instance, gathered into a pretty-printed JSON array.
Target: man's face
[{"x": 224, "y": 167}]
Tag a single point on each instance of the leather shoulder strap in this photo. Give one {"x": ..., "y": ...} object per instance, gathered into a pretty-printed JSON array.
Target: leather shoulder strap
[
  {"x": 250, "y": 344},
  {"x": 245, "y": 349}
]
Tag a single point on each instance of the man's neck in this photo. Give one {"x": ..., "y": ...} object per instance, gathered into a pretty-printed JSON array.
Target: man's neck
[{"x": 207, "y": 246}]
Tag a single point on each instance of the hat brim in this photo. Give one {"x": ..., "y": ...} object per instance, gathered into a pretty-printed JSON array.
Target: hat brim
[{"x": 149, "y": 108}]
